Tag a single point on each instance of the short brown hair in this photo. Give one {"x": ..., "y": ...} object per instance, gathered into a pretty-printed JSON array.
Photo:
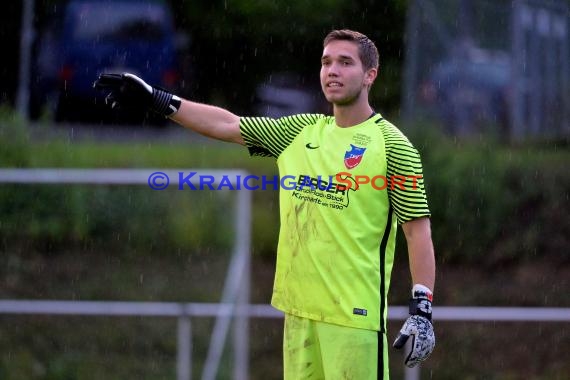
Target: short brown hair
[{"x": 367, "y": 50}]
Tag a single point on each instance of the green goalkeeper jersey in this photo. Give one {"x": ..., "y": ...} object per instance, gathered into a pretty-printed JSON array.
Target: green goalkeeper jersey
[{"x": 343, "y": 192}]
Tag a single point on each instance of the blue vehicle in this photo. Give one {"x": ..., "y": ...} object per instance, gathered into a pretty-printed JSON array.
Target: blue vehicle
[
  {"x": 469, "y": 92},
  {"x": 89, "y": 37}
]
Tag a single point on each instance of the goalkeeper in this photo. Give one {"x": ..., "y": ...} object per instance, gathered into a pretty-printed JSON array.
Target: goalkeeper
[{"x": 336, "y": 243}]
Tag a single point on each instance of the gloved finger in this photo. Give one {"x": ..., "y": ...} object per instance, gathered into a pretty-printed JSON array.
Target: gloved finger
[
  {"x": 400, "y": 341},
  {"x": 412, "y": 358},
  {"x": 409, "y": 363},
  {"x": 108, "y": 81},
  {"x": 112, "y": 101},
  {"x": 109, "y": 99},
  {"x": 137, "y": 82}
]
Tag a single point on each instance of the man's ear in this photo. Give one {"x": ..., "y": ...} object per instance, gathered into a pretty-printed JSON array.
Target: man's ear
[{"x": 370, "y": 76}]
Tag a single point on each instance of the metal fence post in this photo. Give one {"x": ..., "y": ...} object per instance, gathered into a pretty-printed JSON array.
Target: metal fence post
[
  {"x": 235, "y": 297},
  {"x": 241, "y": 328},
  {"x": 184, "y": 354},
  {"x": 412, "y": 49},
  {"x": 26, "y": 41},
  {"x": 412, "y": 373}
]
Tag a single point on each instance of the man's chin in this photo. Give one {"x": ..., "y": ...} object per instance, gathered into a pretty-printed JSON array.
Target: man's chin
[{"x": 341, "y": 102}]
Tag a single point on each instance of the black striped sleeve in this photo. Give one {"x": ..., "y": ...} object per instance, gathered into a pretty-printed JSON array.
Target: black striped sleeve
[
  {"x": 407, "y": 193},
  {"x": 264, "y": 136}
]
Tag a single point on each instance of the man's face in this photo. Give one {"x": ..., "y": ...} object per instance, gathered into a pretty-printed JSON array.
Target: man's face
[{"x": 343, "y": 79}]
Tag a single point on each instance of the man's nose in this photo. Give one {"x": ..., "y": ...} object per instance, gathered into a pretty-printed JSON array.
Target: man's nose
[{"x": 333, "y": 70}]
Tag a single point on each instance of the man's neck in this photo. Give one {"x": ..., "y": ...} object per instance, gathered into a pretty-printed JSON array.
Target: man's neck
[{"x": 348, "y": 116}]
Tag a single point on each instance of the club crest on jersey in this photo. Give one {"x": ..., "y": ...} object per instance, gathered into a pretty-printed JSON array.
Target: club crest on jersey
[{"x": 353, "y": 156}]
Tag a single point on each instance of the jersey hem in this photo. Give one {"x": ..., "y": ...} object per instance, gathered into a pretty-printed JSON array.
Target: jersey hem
[{"x": 320, "y": 318}]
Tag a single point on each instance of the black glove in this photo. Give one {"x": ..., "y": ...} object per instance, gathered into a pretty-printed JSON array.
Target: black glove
[
  {"x": 131, "y": 93},
  {"x": 419, "y": 326}
]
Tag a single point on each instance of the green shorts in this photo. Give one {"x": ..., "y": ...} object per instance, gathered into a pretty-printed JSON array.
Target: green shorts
[{"x": 318, "y": 350}]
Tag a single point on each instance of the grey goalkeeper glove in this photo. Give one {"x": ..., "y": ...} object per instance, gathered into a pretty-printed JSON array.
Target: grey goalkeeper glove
[
  {"x": 418, "y": 326},
  {"x": 129, "y": 93}
]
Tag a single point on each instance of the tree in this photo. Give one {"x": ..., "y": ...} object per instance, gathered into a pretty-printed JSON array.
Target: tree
[{"x": 236, "y": 44}]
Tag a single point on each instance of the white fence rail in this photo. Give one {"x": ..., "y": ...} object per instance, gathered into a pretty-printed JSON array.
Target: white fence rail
[{"x": 185, "y": 311}]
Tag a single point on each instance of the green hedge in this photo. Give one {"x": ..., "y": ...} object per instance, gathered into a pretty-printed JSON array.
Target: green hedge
[
  {"x": 490, "y": 202},
  {"x": 494, "y": 203}
]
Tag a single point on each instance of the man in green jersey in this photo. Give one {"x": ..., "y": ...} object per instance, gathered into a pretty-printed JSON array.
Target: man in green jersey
[{"x": 356, "y": 178}]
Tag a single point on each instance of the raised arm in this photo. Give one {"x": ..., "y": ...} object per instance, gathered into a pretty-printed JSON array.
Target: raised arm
[
  {"x": 208, "y": 120},
  {"x": 128, "y": 92}
]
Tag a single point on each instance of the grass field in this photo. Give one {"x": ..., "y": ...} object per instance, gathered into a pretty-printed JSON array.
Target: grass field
[{"x": 41, "y": 347}]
